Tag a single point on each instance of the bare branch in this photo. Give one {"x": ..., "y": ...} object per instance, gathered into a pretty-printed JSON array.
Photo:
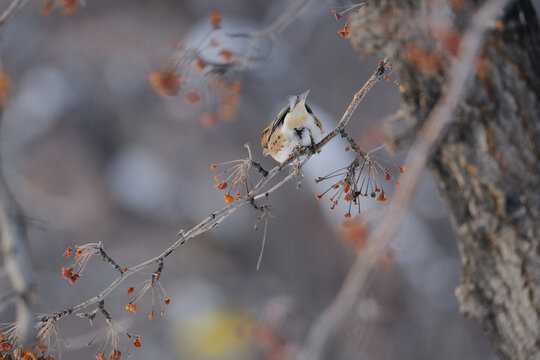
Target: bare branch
[
  {"x": 216, "y": 218},
  {"x": 108, "y": 259},
  {"x": 11, "y": 10},
  {"x": 461, "y": 68},
  {"x": 269, "y": 35},
  {"x": 287, "y": 18},
  {"x": 355, "y": 102}
]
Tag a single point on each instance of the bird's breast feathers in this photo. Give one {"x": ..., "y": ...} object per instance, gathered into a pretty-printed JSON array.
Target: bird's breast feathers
[{"x": 289, "y": 129}]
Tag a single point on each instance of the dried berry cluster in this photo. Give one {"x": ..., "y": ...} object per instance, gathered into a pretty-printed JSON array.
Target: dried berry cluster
[
  {"x": 110, "y": 336},
  {"x": 82, "y": 255},
  {"x": 158, "y": 293},
  {"x": 46, "y": 333},
  {"x": 67, "y": 7},
  {"x": 235, "y": 179},
  {"x": 112, "y": 347},
  {"x": 339, "y": 12},
  {"x": 202, "y": 80},
  {"x": 361, "y": 179}
]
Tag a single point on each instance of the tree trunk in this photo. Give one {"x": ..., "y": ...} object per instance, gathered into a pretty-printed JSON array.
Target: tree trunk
[{"x": 488, "y": 164}]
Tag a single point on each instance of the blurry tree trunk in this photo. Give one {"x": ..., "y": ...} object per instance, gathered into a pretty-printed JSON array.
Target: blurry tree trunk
[
  {"x": 488, "y": 164},
  {"x": 16, "y": 260}
]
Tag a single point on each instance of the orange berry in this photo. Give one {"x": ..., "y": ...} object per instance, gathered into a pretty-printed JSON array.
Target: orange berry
[
  {"x": 131, "y": 307},
  {"x": 215, "y": 17},
  {"x": 193, "y": 97},
  {"x": 228, "y": 55},
  {"x": 382, "y": 197},
  {"x": 165, "y": 83},
  {"x": 222, "y": 185},
  {"x": 67, "y": 253}
]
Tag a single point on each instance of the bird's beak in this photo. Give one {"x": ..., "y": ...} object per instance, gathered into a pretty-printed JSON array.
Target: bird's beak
[
  {"x": 295, "y": 99},
  {"x": 303, "y": 96}
]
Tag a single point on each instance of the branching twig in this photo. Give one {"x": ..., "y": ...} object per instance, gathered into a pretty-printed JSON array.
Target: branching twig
[
  {"x": 216, "y": 218},
  {"x": 286, "y": 18},
  {"x": 461, "y": 68},
  {"x": 265, "y": 214},
  {"x": 108, "y": 259},
  {"x": 275, "y": 187},
  {"x": 269, "y": 34},
  {"x": 354, "y": 103},
  {"x": 359, "y": 153}
]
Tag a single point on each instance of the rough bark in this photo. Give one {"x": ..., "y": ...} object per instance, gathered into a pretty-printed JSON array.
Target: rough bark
[{"x": 488, "y": 164}]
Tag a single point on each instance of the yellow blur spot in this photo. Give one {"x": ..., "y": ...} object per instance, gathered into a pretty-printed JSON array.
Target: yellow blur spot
[{"x": 210, "y": 335}]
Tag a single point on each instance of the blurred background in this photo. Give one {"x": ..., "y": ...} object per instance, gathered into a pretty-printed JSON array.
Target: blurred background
[{"x": 93, "y": 154}]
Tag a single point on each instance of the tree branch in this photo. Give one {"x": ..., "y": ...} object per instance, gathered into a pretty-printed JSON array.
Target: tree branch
[
  {"x": 216, "y": 218},
  {"x": 11, "y": 10}
]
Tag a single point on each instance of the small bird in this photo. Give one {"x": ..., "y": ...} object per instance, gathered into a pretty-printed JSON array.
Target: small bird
[{"x": 295, "y": 125}]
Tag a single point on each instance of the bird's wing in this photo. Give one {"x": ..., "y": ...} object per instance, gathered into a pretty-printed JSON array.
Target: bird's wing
[
  {"x": 264, "y": 140},
  {"x": 278, "y": 121},
  {"x": 317, "y": 121}
]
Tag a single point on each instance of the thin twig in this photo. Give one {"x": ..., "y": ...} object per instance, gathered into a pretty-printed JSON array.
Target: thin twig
[
  {"x": 269, "y": 34},
  {"x": 461, "y": 69},
  {"x": 11, "y": 10},
  {"x": 275, "y": 187},
  {"x": 108, "y": 259},
  {"x": 216, "y": 218},
  {"x": 359, "y": 153},
  {"x": 286, "y": 18},
  {"x": 265, "y": 214},
  {"x": 257, "y": 166}
]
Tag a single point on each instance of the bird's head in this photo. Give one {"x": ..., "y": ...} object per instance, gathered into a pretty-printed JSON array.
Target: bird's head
[{"x": 295, "y": 100}]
